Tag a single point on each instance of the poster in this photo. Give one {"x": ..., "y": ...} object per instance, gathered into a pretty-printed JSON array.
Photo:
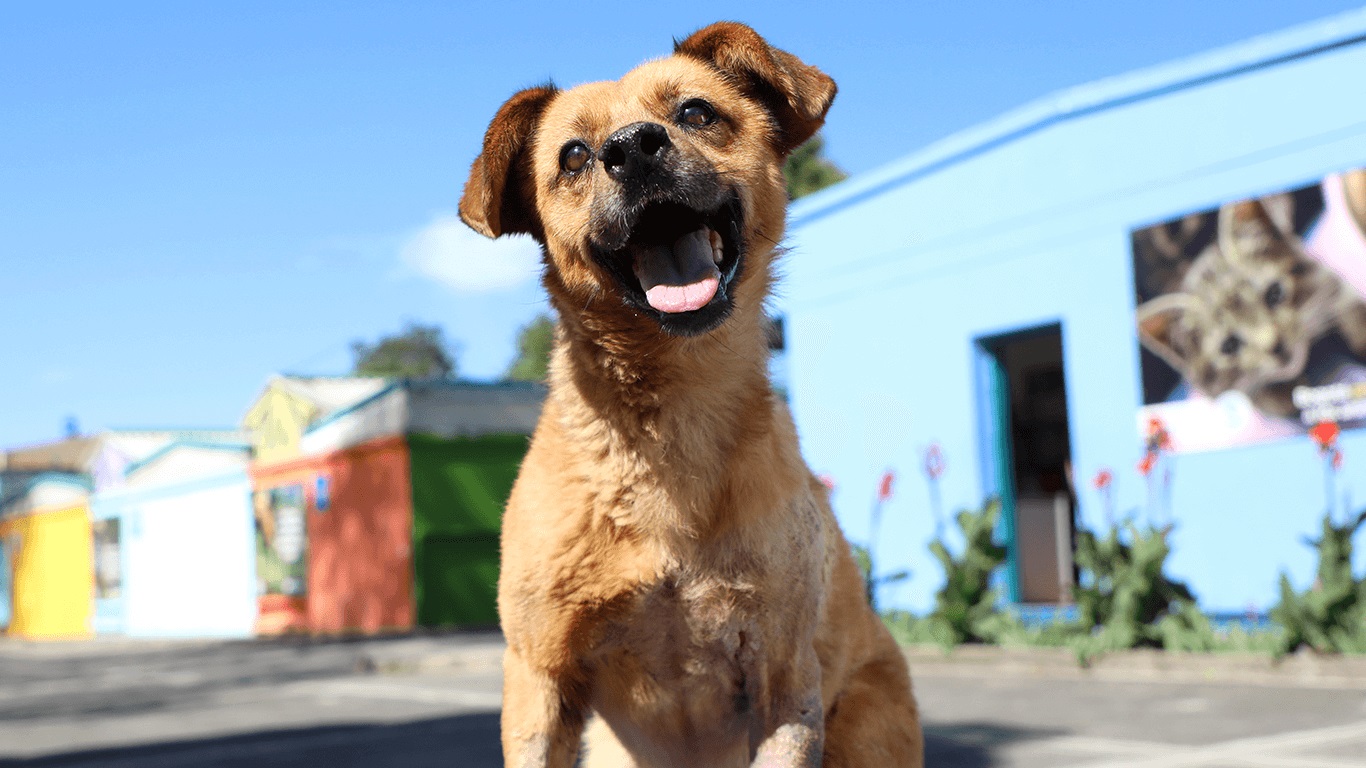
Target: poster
[
  {"x": 281, "y": 541},
  {"x": 108, "y": 567},
  {"x": 1252, "y": 316}
]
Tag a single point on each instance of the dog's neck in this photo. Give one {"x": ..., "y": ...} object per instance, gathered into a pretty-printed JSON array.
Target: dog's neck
[{"x": 627, "y": 394}]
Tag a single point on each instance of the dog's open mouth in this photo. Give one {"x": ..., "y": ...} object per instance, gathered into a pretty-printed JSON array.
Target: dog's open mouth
[{"x": 679, "y": 265}]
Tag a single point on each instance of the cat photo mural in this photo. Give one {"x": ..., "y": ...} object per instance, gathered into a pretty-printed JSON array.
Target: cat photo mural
[{"x": 1252, "y": 317}]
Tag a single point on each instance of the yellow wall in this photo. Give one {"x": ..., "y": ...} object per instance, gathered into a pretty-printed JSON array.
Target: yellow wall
[
  {"x": 54, "y": 576},
  {"x": 277, "y": 422}
]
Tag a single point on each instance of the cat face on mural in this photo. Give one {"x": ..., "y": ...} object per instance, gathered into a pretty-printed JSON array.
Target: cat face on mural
[{"x": 1247, "y": 309}]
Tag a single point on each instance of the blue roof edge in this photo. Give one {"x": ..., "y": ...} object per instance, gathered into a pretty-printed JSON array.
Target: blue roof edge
[
  {"x": 1300, "y": 41},
  {"x": 79, "y": 480},
  {"x": 174, "y": 444}
]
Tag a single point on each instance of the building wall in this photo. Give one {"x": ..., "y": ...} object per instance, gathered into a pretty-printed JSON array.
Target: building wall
[
  {"x": 458, "y": 410},
  {"x": 52, "y": 573},
  {"x": 890, "y": 284},
  {"x": 277, "y": 421},
  {"x": 360, "y": 568},
  {"x": 187, "y": 559},
  {"x": 460, "y": 487}
]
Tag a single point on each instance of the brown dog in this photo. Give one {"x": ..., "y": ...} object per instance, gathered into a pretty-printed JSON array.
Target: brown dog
[{"x": 669, "y": 562}]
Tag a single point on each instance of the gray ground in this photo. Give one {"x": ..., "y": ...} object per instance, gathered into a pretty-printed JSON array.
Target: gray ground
[{"x": 432, "y": 701}]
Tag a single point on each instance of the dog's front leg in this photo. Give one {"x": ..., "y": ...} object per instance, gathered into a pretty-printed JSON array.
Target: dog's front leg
[
  {"x": 796, "y": 738},
  {"x": 542, "y": 724}
]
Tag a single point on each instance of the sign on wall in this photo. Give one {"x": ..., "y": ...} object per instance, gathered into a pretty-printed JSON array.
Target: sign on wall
[
  {"x": 281, "y": 541},
  {"x": 1252, "y": 316},
  {"x": 108, "y": 567}
]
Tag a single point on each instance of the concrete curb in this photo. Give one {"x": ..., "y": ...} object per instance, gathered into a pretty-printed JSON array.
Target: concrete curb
[
  {"x": 1303, "y": 670},
  {"x": 436, "y": 655}
]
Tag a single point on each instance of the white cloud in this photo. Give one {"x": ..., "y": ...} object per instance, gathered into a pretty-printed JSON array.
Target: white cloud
[{"x": 456, "y": 256}]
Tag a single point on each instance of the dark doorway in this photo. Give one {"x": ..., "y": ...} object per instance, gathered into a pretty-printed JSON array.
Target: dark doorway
[{"x": 1034, "y": 462}]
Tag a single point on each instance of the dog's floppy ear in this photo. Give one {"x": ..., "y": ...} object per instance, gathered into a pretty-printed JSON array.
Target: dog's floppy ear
[
  {"x": 498, "y": 196},
  {"x": 797, "y": 94}
]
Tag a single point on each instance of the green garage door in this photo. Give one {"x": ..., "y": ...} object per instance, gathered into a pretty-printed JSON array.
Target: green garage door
[
  {"x": 459, "y": 489},
  {"x": 459, "y": 578}
]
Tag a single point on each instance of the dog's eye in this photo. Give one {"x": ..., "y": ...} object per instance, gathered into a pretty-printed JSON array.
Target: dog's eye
[
  {"x": 696, "y": 113},
  {"x": 575, "y": 156}
]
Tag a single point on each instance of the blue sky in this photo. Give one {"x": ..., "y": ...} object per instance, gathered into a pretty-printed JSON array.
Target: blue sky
[{"x": 192, "y": 198}]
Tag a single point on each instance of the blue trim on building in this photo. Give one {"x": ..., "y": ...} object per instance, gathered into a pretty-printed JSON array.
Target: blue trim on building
[
  {"x": 174, "y": 444},
  {"x": 61, "y": 478},
  {"x": 1261, "y": 52},
  {"x": 356, "y": 406}
]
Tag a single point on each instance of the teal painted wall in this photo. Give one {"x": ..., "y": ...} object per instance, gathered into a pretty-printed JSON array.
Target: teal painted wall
[{"x": 893, "y": 276}]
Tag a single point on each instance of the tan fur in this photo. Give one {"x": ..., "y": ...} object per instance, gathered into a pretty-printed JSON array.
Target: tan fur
[{"x": 670, "y": 565}]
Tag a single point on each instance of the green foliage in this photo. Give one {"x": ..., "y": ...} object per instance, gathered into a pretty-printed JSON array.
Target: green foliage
[
  {"x": 1126, "y": 600},
  {"x": 965, "y": 607},
  {"x": 864, "y": 560},
  {"x": 1330, "y": 617},
  {"x": 419, "y": 352},
  {"x": 534, "y": 341},
  {"x": 807, "y": 170}
]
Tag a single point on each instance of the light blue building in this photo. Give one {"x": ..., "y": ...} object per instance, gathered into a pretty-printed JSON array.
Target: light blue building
[
  {"x": 983, "y": 296},
  {"x": 173, "y": 545}
]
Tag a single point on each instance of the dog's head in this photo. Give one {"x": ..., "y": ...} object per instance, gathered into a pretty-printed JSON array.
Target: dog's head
[{"x": 662, "y": 192}]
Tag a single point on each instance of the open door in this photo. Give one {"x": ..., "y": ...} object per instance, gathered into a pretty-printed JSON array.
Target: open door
[{"x": 1029, "y": 435}]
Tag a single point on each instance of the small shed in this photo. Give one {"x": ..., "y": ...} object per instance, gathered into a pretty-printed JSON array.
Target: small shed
[
  {"x": 173, "y": 545},
  {"x": 45, "y": 537},
  {"x": 402, "y": 496}
]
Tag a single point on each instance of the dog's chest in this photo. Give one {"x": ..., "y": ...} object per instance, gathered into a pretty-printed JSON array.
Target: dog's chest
[{"x": 684, "y": 659}]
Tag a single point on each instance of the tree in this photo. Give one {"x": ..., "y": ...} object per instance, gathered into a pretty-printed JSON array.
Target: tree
[
  {"x": 419, "y": 352},
  {"x": 807, "y": 170},
  {"x": 533, "y": 351}
]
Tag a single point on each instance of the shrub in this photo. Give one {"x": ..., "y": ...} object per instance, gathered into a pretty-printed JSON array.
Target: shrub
[
  {"x": 1330, "y": 617},
  {"x": 1126, "y": 600},
  {"x": 965, "y": 607},
  {"x": 863, "y": 558}
]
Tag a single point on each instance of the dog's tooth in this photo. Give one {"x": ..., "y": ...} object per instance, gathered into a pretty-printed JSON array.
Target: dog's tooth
[{"x": 718, "y": 246}]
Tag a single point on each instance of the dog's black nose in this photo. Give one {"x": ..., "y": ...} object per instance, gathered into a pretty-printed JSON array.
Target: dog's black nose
[{"x": 635, "y": 151}]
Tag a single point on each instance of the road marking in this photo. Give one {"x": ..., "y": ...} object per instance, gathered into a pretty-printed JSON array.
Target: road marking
[
  {"x": 1255, "y": 752},
  {"x": 374, "y": 689},
  {"x": 1111, "y": 746}
]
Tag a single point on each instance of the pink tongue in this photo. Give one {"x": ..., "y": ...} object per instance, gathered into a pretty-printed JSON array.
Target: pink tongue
[
  {"x": 682, "y": 298},
  {"x": 681, "y": 277}
]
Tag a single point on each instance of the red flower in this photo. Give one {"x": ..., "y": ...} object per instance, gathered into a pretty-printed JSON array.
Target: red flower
[
  {"x": 1103, "y": 479},
  {"x": 827, "y": 481},
  {"x": 1325, "y": 435},
  {"x": 1158, "y": 438},
  {"x": 934, "y": 462},
  {"x": 1146, "y": 465},
  {"x": 884, "y": 488}
]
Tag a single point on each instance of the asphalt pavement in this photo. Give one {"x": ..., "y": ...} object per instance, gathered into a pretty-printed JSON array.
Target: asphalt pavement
[{"x": 433, "y": 701}]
